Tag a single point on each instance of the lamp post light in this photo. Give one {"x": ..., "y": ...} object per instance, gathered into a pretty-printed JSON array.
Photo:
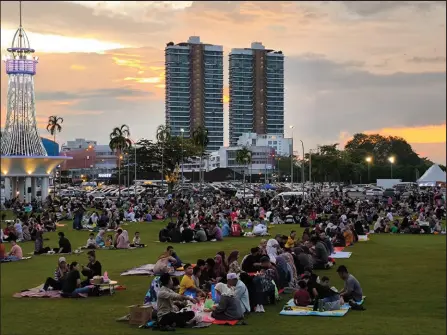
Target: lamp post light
[
  {"x": 391, "y": 160},
  {"x": 368, "y": 162},
  {"x": 182, "y": 131},
  {"x": 302, "y": 166},
  {"x": 291, "y": 161}
]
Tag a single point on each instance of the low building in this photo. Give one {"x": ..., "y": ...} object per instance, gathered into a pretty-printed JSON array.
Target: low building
[
  {"x": 209, "y": 163},
  {"x": 262, "y": 159},
  {"x": 282, "y": 146}
]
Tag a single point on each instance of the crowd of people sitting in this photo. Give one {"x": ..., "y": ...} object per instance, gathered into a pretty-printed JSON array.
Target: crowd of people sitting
[{"x": 247, "y": 285}]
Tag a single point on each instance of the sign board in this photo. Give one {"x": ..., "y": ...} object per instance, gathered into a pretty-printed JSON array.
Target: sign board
[{"x": 104, "y": 175}]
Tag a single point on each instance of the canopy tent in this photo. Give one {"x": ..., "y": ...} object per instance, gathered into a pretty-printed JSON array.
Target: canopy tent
[{"x": 433, "y": 176}]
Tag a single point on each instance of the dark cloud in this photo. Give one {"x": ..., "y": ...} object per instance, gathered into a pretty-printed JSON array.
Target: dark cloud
[
  {"x": 369, "y": 8},
  {"x": 436, "y": 60},
  {"x": 326, "y": 98},
  {"x": 105, "y": 93}
]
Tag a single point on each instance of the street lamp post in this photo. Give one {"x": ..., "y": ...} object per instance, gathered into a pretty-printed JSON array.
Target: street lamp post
[
  {"x": 182, "y": 131},
  {"x": 291, "y": 161},
  {"x": 302, "y": 166},
  {"x": 310, "y": 165},
  {"x": 368, "y": 162},
  {"x": 391, "y": 160}
]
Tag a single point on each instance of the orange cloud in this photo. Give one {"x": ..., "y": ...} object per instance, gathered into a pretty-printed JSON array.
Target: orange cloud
[
  {"x": 77, "y": 67},
  {"x": 424, "y": 134},
  {"x": 427, "y": 141}
]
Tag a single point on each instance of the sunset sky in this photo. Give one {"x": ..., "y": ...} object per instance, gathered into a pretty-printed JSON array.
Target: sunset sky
[{"x": 374, "y": 67}]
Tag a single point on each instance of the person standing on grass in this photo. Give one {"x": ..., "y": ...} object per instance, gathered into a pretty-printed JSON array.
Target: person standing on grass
[
  {"x": 167, "y": 314},
  {"x": 352, "y": 289}
]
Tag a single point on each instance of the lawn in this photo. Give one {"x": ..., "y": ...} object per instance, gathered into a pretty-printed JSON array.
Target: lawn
[{"x": 403, "y": 277}]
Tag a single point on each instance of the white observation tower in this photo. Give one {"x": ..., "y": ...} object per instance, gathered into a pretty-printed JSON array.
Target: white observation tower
[{"x": 24, "y": 160}]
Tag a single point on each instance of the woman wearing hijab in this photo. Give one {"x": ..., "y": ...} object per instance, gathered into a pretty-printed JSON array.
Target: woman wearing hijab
[
  {"x": 229, "y": 307},
  {"x": 122, "y": 240},
  {"x": 292, "y": 269},
  {"x": 219, "y": 270}
]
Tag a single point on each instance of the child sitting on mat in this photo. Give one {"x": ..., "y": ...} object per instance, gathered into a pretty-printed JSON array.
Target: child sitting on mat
[
  {"x": 302, "y": 296},
  {"x": 109, "y": 241}
]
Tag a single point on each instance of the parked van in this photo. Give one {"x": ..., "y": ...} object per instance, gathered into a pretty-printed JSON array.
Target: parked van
[{"x": 286, "y": 196}]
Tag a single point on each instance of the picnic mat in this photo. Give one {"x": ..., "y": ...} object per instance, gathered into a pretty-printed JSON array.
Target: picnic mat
[
  {"x": 61, "y": 254},
  {"x": 148, "y": 270},
  {"x": 308, "y": 311},
  {"x": 363, "y": 238},
  {"x": 18, "y": 260},
  {"x": 60, "y": 224},
  {"x": 341, "y": 254},
  {"x": 36, "y": 293}
]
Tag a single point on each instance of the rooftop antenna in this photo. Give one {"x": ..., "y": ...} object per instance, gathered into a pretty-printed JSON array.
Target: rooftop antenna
[
  {"x": 20, "y": 24},
  {"x": 20, "y": 13}
]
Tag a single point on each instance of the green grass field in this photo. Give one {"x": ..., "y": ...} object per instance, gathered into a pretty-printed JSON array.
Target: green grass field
[{"x": 403, "y": 277}]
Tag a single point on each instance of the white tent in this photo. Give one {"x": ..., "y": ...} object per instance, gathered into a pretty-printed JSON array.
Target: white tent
[{"x": 432, "y": 176}]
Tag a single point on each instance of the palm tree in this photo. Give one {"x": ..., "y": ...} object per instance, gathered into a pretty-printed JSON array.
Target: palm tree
[
  {"x": 54, "y": 126},
  {"x": 243, "y": 157},
  {"x": 119, "y": 141},
  {"x": 201, "y": 140},
  {"x": 163, "y": 136}
]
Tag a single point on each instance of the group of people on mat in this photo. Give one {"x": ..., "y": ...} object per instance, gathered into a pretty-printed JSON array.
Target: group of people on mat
[
  {"x": 67, "y": 277},
  {"x": 241, "y": 287},
  {"x": 119, "y": 241}
]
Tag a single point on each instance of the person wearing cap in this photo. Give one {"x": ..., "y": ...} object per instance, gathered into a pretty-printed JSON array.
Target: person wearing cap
[
  {"x": 228, "y": 308},
  {"x": 240, "y": 291},
  {"x": 59, "y": 276},
  {"x": 352, "y": 289}
]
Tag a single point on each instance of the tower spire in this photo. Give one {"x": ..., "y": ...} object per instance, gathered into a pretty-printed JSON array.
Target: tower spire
[{"x": 20, "y": 13}]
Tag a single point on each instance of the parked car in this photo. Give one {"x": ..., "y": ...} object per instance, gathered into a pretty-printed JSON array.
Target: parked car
[
  {"x": 374, "y": 192},
  {"x": 389, "y": 192}
]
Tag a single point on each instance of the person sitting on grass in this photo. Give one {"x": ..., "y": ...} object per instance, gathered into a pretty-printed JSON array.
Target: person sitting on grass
[
  {"x": 291, "y": 240},
  {"x": 91, "y": 242},
  {"x": 301, "y": 297},
  {"x": 214, "y": 233},
  {"x": 64, "y": 244},
  {"x": 251, "y": 263},
  {"x": 178, "y": 262},
  {"x": 328, "y": 298},
  {"x": 241, "y": 292},
  {"x": 165, "y": 262},
  {"x": 228, "y": 308},
  {"x": 100, "y": 239},
  {"x": 352, "y": 290},
  {"x": 320, "y": 254},
  {"x": 136, "y": 242},
  {"x": 168, "y": 315},
  {"x": 72, "y": 284},
  {"x": 92, "y": 269},
  {"x": 16, "y": 253},
  {"x": 122, "y": 239},
  {"x": 187, "y": 284},
  {"x": 233, "y": 264},
  {"x": 60, "y": 275}
]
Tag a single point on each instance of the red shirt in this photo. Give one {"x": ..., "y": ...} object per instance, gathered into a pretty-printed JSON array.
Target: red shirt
[
  {"x": 2, "y": 251},
  {"x": 236, "y": 229},
  {"x": 301, "y": 298}
]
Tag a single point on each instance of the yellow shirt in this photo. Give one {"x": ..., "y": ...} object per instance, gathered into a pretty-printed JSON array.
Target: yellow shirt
[
  {"x": 186, "y": 283},
  {"x": 290, "y": 243}
]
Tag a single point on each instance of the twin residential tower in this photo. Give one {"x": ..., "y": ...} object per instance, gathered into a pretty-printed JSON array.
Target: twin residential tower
[{"x": 194, "y": 90}]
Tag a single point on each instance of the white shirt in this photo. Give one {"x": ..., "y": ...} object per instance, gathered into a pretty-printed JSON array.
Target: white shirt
[{"x": 272, "y": 249}]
